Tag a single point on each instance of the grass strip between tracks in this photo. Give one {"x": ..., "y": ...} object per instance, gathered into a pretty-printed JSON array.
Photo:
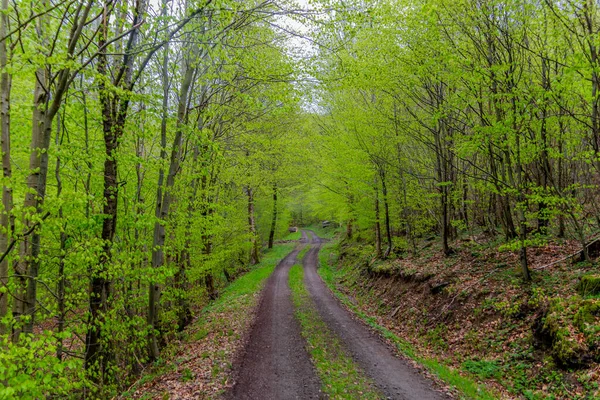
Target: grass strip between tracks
[
  {"x": 467, "y": 387},
  {"x": 341, "y": 377}
]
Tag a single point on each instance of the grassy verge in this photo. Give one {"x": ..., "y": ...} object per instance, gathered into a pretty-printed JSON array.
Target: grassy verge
[
  {"x": 326, "y": 233},
  {"x": 203, "y": 359},
  {"x": 341, "y": 377},
  {"x": 237, "y": 294},
  {"x": 293, "y": 236},
  {"x": 467, "y": 387}
]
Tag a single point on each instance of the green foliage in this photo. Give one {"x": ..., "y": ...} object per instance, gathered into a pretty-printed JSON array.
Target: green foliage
[
  {"x": 435, "y": 336},
  {"x": 589, "y": 285},
  {"x": 293, "y": 236},
  {"x": 30, "y": 369},
  {"x": 302, "y": 253},
  {"x": 238, "y": 128}
]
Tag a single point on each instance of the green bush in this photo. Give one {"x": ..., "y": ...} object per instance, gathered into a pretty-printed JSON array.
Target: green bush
[{"x": 31, "y": 370}]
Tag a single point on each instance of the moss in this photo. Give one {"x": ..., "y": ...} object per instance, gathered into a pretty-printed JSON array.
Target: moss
[
  {"x": 589, "y": 285},
  {"x": 383, "y": 268},
  {"x": 573, "y": 325},
  {"x": 587, "y": 314}
]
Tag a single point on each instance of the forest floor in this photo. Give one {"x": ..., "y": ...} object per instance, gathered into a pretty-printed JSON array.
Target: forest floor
[{"x": 472, "y": 321}]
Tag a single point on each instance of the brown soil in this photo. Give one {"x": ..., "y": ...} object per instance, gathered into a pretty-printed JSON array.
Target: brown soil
[
  {"x": 395, "y": 377},
  {"x": 275, "y": 364}
]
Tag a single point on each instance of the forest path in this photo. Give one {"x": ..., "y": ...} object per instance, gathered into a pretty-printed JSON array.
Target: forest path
[
  {"x": 394, "y": 377},
  {"x": 275, "y": 364}
]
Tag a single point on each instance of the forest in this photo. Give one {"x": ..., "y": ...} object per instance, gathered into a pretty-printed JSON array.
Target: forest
[{"x": 155, "y": 153}]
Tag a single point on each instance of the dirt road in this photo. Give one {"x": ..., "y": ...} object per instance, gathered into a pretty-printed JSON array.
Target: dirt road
[
  {"x": 394, "y": 377},
  {"x": 276, "y": 365}
]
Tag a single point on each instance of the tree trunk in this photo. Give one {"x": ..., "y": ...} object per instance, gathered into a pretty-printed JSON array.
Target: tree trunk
[
  {"x": 60, "y": 287},
  {"x": 27, "y": 268},
  {"x": 386, "y": 211},
  {"x": 349, "y": 229},
  {"x": 252, "y": 227},
  {"x": 113, "y": 118},
  {"x": 377, "y": 223},
  {"x": 114, "y": 114},
  {"x": 163, "y": 204},
  {"x": 274, "y": 219},
  {"x": 6, "y": 218}
]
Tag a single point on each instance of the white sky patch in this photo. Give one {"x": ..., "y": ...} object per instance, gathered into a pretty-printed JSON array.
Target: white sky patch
[
  {"x": 301, "y": 47},
  {"x": 299, "y": 43}
]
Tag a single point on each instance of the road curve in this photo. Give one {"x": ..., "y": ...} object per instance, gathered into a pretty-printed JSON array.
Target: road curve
[
  {"x": 276, "y": 365},
  {"x": 394, "y": 377}
]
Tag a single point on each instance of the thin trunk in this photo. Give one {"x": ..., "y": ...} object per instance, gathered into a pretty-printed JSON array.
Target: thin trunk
[
  {"x": 349, "y": 229},
  {"x": 519, "y": 183},
  {"x": 184, "y": 311},
  {"x": 60, "y": 289},
  {"x": 6, "y": 219},
  {"x": 349, "y": 225},
  {"x": 441, "y": 177},
  {"x": 561, "y": 179},
  {"x": 159, "y": 234},
  {"x": 386, "y": 211},
  {"x": 163, "y": 208},
  {"x": 274, "y": 219},
  {"x": 465, "y": 202},
  {"x": 406, "y": 214},
  {"x": 377, "y": 223},
  {"x": 543, "y": 217},
  {"x": 521, "y": 212},
  {"x": 252, "y": 228}
]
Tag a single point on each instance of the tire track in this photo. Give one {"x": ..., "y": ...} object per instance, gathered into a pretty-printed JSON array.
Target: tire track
[
  {"x": 275, "y": 364},
  {"x": 393, "y": 376}
]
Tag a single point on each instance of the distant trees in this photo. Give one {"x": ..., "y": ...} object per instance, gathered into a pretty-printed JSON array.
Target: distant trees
[{"x": 481, "y": 114}]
